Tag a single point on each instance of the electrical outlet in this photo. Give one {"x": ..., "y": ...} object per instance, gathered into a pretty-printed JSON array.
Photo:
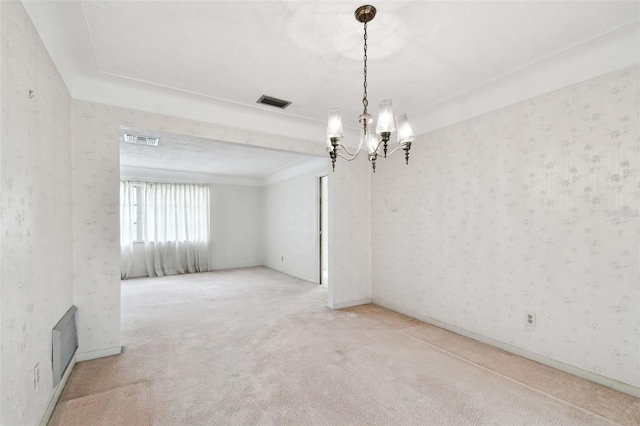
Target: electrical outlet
[
  {"x": 530, "y": 319},
  {"x": 36, "y": 376}
]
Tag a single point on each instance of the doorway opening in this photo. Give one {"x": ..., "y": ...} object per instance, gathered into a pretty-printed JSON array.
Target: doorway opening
[{"x": 323, "y": 202}]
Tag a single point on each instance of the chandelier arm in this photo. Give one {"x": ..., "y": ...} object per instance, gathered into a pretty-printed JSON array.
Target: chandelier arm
[
  {"x": 353, "y": 154},
  {"x": 377, "y": 151},
  {"x": 353, "y": 157},
  {"x": 398, "y": 148}
]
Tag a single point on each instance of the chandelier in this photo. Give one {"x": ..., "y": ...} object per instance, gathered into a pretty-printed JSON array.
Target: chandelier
[{"x": 376, "y": 143}]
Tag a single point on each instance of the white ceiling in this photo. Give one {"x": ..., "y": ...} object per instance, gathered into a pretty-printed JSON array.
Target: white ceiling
[
  {"x": 198, "y": 155},
  {"x": 229, "y": 53}
]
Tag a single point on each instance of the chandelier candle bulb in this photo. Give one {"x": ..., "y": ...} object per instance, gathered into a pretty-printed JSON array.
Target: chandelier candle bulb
[{"x": 372, "y": 142}]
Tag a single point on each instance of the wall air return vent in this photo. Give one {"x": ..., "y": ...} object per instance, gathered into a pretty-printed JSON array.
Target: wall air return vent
[
  {"x": 274, "y": 102},
  {"x": 141, "y": 140},
  {"x": 65, "y": 343}
]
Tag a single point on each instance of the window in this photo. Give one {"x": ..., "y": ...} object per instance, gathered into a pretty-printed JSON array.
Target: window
[
  {"x": 167, "y": 212},
  {"x": 175, "y": 212},
  {"x": 172, "y": 219}
]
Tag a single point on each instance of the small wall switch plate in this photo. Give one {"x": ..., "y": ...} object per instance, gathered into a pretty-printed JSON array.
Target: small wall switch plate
[{"x": 530, "y": 319}]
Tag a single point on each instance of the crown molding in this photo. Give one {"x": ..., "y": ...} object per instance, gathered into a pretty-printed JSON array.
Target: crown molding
[
  {"x": 162, "y": 175},
  {"x": 608, "y": 53},
  {"x": 308, "y": 165}
]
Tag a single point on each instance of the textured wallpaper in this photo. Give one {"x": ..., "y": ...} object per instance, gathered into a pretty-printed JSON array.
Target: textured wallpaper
[
  {"x": 96, "y": 225},
  {"x": 35, "y": 201},
  {"x": 534, "y": 207}
]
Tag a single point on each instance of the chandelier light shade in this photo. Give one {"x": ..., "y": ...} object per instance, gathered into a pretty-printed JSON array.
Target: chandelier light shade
[
  {"x": 385, "y": 118},
  {"x": 334, "y": 129},
  {"x": 377, "y": 144}
]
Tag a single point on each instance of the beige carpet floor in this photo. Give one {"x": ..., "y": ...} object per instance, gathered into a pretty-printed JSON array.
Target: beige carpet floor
[{"x": 253, "y": 346}]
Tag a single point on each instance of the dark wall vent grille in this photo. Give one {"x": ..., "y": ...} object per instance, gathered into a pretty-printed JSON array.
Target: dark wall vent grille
[{"x": 274, "y": 102}]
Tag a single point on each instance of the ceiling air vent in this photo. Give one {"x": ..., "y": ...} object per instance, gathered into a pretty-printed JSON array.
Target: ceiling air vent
[
  {"x": 274, "y": 102},
  {"x": 141, "y": 140}
]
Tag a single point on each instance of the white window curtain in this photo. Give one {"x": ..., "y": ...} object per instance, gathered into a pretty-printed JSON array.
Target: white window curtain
[
  {"x": 128, "y": 215},
  {"x": 176, "y": 228},
  {"x": 174, "y": 221}
]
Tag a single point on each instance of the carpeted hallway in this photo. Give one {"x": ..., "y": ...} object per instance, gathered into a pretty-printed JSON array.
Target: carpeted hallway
[{"x": 253, "y": 346}]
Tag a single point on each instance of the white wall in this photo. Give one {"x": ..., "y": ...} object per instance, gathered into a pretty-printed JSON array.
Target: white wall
[
  {"x": 350, "y": 233},
  {"x": 291, "y": 238},
  {"x": 236, "y": 226},
  {"x": 2, "y": 138},
  {"x": 533, "y": 207},
  {"x": 138, "y": 265},
  {"x": 35, "y": 252}
]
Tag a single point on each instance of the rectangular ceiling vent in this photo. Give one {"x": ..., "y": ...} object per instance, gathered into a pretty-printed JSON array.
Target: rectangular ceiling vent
[
  {"x": 141, "y": 140},
  {"x": 274, "y": 102}
]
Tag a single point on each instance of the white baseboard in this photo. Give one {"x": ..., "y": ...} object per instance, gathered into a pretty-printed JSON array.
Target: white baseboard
[
  {"x": 550, "y": 362},
  {"x": 100, "y": 353},
  {"x": 307, "y": 279},
  {"x": 232, "y": 267},
  {"x": 140, "y": 275},
  {"x": 56, "y": 394},
  {"x": 349, "y": 304}
]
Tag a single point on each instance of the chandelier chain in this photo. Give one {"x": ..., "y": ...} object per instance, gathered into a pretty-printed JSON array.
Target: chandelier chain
[{"x": 365, "y": 101}]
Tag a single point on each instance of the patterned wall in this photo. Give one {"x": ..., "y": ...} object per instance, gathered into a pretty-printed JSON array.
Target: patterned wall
[
  {"x": 96, "y": 239},
  {"x": 35, "y": 208},
  {"x": 534, "y": 207}
]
